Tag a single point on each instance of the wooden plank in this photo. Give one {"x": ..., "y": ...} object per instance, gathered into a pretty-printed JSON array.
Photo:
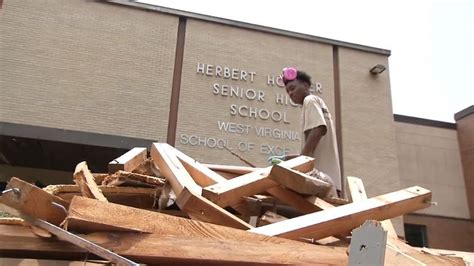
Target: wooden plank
[
  {"x": 299, "y": 182},
  {"x": 307, "y": 205},
  {"x": 120, "y": 177},
  {"x": 76, "y": 240},
  {"x": 128, "y": 161},
  {"x": 20, "y": 242},
  {"x": 181, "y": 250},
  {"x": 231, "y": 169},
  {"x": 320, "y": 203},
  {"x": 85, "y": 180},
  {"x": 40, "y": 262},
  {"x": 138, "y": 197},
  {"x": 202, "y": 175},
  {"x": 87, "y": 215},
  {"x": 409, "y": 255},
  {"x": 393, "y": 255},
  {"x": 358, "y": 194},
  {"x": 155, "y": 249},
  {"x": 294, "y": 200},
  {"x": 304, "y": 205},
  {"x": 202, "y": 209},
  {"x": 356, "y": 189},
  {"x": 33, "y": 201},
  {"x": 340, "y": 219},
  {"x": 231, "y": 191},
  {"x": 174, "y": 171},
  {"x": 17, "y": 241},
  {"x": 60, "y": 189}
]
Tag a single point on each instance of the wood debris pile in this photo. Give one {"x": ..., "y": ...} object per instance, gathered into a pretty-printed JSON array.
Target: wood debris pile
[{"x": 170, "y": 209}]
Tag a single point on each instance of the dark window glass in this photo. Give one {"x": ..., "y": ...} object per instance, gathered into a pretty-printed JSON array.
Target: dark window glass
[{"x": 415, "y": 235}]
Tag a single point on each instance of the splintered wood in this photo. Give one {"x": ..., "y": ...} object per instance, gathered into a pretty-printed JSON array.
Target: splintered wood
[
  {"x": 170, "y": 209},
  {"x": 85, "y": 180}
]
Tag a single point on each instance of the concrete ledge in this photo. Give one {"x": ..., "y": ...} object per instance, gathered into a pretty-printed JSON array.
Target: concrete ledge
[
  {"x": 423, "y": 122},
  {"x": 72, "y": 136},
  {"x": 463, "y": 113}
]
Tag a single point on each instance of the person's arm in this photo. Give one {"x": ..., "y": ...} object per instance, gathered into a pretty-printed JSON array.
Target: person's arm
[{"x": 313, "y": 136}]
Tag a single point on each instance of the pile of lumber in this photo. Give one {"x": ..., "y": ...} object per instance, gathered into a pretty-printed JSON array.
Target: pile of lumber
[{"x": 170, "y": 209}]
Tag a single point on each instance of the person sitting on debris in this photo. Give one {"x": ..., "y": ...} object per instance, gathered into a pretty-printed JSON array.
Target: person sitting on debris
[{"x": 317, "y": 126}]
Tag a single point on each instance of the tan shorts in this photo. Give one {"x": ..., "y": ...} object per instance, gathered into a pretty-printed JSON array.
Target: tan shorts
[{"x": 326, "y": 178}]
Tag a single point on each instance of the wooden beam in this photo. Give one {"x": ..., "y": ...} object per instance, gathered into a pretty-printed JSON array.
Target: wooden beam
[
  {"x": 202, "y": 175},
  {"x": 294, "y": 200},
  {"x": 299, "y": 182},
  {"x": 209, "y": 212},
  {"x": 340, "y": 219},
  {"x": 20, "y": 242},
  {"x": 174, "y": 171},
  {"x": 128, "y": 161},
  {"x": 87, "y": 215},
  {"x": 307, "y": 205},
  {"x": 358, "y": 194},
  {"x": 394, "y": 255},
  {"x": 85, "y": 180},
  {"x": 78, "y": 241},
  {"x": 154, "y": 248},
  {"x": 33, "y": 201},
  {"x": 182, "y": 250},
  {"x": 23, "y": 261},
  {"x": 231, "y": 169},
  {"x": 404, "y": 254},
  {"x": 202, "y": 209},
  {"x": 231, "y": 191},
  {"x": 161, "y": 249}
]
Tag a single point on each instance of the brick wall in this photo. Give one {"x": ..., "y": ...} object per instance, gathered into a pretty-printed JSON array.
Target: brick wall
[
  {"x": 251, "y": 51},
  {"x": 87, "y": 66},
  {"x": 368, "y": 132},
  {"x": 429, "y": 157}
]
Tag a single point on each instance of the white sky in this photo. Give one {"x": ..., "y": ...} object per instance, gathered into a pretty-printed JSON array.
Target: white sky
[{"x": 431, "y": 66}]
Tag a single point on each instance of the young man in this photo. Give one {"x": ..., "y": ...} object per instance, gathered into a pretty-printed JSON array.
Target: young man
[{"x": 319, "y": 137}]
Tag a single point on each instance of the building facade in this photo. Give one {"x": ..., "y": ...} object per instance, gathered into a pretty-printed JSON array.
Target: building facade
[{"x": 85, "y": 80}]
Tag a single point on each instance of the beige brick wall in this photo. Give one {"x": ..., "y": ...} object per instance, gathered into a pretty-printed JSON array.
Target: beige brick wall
[
  {"x": 251, "y": 51},
  {"x": 88, "y": 66},
  {"x": 368, "y": 131},
  {"x": 429, "y": 157}
]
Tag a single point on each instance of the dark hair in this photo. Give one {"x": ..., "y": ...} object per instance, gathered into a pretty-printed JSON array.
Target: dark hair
[{"x": 301, "y": 76}]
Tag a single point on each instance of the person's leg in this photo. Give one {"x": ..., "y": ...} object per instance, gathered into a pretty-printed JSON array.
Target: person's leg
[{"x": 326, "y": 178}]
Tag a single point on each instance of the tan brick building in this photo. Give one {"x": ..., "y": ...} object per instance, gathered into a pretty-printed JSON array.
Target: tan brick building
[{"x": 84, "y": 80}]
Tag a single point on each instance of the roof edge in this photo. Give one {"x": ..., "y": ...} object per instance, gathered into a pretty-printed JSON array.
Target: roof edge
[
  {"x": 423, "y": 121},
  {"x": 463, "y": 113},
  {"x": 246, "y": 25}
]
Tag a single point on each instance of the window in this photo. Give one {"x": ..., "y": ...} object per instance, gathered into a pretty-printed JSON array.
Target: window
[{"x": 415, "y": 235}]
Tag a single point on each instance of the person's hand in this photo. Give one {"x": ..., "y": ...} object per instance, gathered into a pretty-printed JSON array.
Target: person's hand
[{"x": 276, "y": 159}]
